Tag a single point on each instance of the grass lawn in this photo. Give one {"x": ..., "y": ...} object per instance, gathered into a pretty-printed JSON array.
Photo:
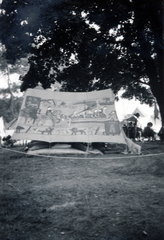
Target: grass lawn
[{"x": 88, "y": 197}]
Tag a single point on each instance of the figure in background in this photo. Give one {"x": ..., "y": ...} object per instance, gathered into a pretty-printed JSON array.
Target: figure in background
[
  {"x": 134, "y": 127},
  {"x": 131, "y": 130},
  {"x": 148, "y": 132}
]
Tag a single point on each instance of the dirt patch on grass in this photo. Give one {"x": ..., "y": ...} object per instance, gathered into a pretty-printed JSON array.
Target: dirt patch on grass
[{"x": 105, "y": 197}]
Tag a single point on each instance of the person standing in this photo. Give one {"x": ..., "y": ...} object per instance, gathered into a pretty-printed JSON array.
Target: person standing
[{"x": 134, "y": 126}]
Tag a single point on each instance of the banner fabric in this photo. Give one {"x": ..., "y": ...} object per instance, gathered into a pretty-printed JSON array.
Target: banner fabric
[{"x": 69, "y": 117}]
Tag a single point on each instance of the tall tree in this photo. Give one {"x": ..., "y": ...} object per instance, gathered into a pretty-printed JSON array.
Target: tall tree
[
  {"x": 88, "y": 45},
  {"x": 10, "y": 102}
]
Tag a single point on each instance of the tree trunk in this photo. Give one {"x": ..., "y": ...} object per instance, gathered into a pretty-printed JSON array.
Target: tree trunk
[
  {"x": 161, "y": 104},
  {"x": 159, "y": 95},
  {"x": 11, "y": 93}
]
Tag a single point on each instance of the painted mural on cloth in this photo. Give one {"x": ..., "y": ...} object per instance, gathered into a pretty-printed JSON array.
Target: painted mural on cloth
[{"x": 69, "y": 117}]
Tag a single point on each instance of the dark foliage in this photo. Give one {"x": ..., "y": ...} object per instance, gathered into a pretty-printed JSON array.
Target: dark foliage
[{"x": 124, "y": 51}]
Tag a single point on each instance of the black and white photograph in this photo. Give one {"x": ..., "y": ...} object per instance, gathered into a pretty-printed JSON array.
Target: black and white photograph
[{"x": 81, "y": 120}]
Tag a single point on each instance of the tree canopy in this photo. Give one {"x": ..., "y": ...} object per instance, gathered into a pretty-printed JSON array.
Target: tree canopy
[{"x": 88, "y": 45}]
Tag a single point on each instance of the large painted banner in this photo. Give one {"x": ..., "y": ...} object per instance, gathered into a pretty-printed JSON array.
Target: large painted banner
[{"x": 69, "y": 117}]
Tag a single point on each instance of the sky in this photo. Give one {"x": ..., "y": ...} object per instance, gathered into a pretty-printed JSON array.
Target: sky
[{"x": 3, "y": 79}]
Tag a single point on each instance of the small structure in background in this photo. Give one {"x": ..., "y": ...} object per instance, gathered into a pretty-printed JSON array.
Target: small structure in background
[{"x": 2, "y": 130}]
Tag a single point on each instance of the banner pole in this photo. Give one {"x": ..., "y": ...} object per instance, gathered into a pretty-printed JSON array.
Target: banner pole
[{"x": 87, "y": 146}]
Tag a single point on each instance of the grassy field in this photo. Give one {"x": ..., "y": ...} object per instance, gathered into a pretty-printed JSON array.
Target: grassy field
[{"x": 93, "y": 197}]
